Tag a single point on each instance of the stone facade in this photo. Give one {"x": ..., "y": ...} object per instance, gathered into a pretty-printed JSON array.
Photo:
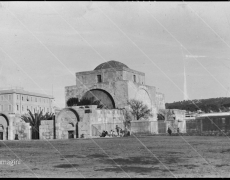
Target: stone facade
[
  {"x": 12, "y": 125},
  {"x": 17, "y": 101},
  {"x": 114, "y": 84}
]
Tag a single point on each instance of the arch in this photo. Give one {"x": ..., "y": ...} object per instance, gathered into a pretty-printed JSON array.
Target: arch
[
  {"x": 102, "y": 95},
  {"x": 70, "y": 109},
  {"x": 144, "y": 96},
  {"x": 71, "y": 118},
  {"x": 6, "y": 118},
  {"x": 5, "y": 125}
]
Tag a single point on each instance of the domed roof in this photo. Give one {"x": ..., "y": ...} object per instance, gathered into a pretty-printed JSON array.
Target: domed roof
[{"x": 110, "y": 64}]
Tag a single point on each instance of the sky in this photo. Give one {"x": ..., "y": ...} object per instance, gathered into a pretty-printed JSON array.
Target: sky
[{"x": 43, "y": 44}]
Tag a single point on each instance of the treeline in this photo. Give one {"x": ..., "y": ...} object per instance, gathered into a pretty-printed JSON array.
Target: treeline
[{"x": 221, "y": 104}]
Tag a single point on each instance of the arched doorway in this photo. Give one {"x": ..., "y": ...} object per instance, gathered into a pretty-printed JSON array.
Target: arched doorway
[
  {"x": 102, "y": 95},
  {"x": 4, "y": 123},
  {"x": 67, "y": 122}
]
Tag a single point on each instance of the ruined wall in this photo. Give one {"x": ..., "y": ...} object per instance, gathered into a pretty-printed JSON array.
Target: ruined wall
[
  {"x": 160, "y": 101},
  {"x": 106, "y": 120},
  {"x": 46, "y": 129},
  {"x": 145, "y": 94},
  {"x": 118, "y": 91},
  {"x": 144, "y": 126},
  {"x": 128, "y": 74},
  {"x": 22, "y": 129},
  {"x": 90, "y": 77}
]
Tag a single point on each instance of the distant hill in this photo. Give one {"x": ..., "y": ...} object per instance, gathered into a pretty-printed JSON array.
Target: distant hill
[{"x": 221, "y": 104}]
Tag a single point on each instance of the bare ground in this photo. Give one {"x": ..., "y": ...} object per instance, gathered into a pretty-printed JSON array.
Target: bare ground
[{"x": 152, "y": 156}]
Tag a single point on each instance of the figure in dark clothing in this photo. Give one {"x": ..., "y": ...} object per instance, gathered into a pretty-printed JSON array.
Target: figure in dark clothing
[
  {"x": 104, "y": 133},
  {"x": 117, "y": 128},
  {"x": 169, "y": 131},
  {"x": 16, "y": 137}
]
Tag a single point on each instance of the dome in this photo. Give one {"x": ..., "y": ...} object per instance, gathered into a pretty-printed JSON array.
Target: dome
[{"x": 110, "y": 64}]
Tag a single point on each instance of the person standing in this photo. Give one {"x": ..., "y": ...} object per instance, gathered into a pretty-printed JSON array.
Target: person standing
[
  {"x": 169, "y": 131},
  {"x": 117, "y": 129}
]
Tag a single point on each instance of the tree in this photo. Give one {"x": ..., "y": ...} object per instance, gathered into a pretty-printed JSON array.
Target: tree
[
  {"x": 35, "y": 121},
  {"x": 72, "y": 101},
  {"x": 84, "y": 102},
  {"x": 139, "y": 109}
]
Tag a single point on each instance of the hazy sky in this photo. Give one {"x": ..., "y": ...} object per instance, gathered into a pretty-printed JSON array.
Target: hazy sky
[{"x": 43, "y": 44}]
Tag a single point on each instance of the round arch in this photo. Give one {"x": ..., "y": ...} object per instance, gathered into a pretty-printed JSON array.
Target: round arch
[
  {"x": 4, "y": 121},
  {"x": 143, "y": 95},
  {"x": 101, "y": 94},
  {"x": 68, "y": 109},
  {"x": 6, "y": 118},
  {"x": 68, "y": 116}
]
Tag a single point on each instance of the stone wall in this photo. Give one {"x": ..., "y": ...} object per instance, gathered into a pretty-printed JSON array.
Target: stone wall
[
  {"x": 23, "y": 130},
  {"x": 144, "y": 126},
  {"x": 117, "y": 90},
  {"x": 46, "y": 129},
  {"x": 160, "y": 101},
  {"x": 106, "y": 120}
]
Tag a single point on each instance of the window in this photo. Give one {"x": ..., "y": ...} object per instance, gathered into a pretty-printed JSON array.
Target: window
[
  {"x": 47, "y": 109},
  {"x": 35, "y": 99},
  {"x": 17, "y": 107},
  {"x": 223, "y": 120},
  {"x": 9, "y": 97},
  {"x": 22, "y": 108},
  {"x": 17, "y": 97},
  {"x": 99, "y": 78},
  {"x": 9, "y": 107},
  {"x": 31, "y": 98},
  {"x": 134, "y": 78},
  {"x": 22, "y": 98}
]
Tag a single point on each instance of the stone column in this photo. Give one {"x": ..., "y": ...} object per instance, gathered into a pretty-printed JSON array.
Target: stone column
[{"x": 11, "y": 127}]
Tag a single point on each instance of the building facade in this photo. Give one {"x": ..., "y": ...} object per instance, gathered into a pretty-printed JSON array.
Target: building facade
[
  {"x": 13, "y": 104},
  {"x": 114, "y": 83},
  {"x": 17, "y": 101}
]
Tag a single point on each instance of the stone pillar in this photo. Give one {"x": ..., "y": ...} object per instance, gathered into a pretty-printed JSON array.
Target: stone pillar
[{"x": 11, "y": 126}]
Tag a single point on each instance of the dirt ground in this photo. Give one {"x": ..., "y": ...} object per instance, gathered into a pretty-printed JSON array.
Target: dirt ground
[{"x": 130, "y": 157}]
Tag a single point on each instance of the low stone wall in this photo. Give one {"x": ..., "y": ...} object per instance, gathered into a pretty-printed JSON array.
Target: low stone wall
[
  {"x": 162, "y": 127},
  {"x": 46, "y": 129},
  {"x": 144, "y": 126},
  {"x": 22, "y": 129},
  {"x": 106, "y": 120}
]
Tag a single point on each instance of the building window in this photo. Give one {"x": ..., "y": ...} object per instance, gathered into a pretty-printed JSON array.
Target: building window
[
  {"x": 9, "y": 97},
  {"x": 22, "y": 108},
  {"x": 99, "y": 80},
  {"x": 35, "y": 99},
  {"x": 22, "y": 98},
  {"x": 223, "y": 120},
  {"x": 17, "y": 107},
  {"x": 134, "y": 78},
  {"x": 17, "y": 97}
]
